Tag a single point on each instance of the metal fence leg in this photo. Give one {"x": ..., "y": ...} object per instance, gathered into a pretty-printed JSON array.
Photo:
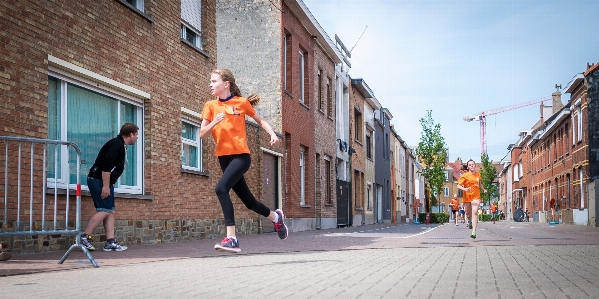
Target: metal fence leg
[{"x": 77, "y": 245}]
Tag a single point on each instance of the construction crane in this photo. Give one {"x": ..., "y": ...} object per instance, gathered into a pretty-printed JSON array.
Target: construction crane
[{"x": 482, "y": 118}]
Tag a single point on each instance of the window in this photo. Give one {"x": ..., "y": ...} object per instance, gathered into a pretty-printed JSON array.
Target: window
[
  {"x": 320, "y": 103},
  {"x": 521, "y": 170},
  {"x": 139, "y": 4},
  {"x": 302, "y": 78},
  {"x": 368, "y": 145},
  {"x": 581, "y": 188},
  {"x": 191, "y": 22},
  {"x": 191, "y": 147},
  {"x": 368, "y": 199},
  {"x": 287, "y": 63},
  {"x": 446, "y": 191},
  {"x": 302, "y": 176},
  {"x": 328, "y": 198},
  {"x": 358, "y": 125},
  {"x": 329, "y": 99},
  {"x": 90, "y": 116},
  {"x": 579, "y": 112},
  {"x": 447, "y": 176},
  {"x": 516, "y": 172}
]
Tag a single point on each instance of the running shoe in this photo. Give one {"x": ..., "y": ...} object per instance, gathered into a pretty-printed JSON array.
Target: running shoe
[
  {"x": 228, "y": 245},
  {"x": 280, "y": 226},
  {"x": 470, "y": 224},
  {"x": 86, "y": 241},
  {"x": 113, "y": 245},
  {"x": 473, "y": 235}
]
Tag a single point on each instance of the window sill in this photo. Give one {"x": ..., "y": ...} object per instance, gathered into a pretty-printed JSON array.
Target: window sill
[
  {"x": 305, "y": 206},
  {"x": 202, "y": 173},
  {"x": 288, "y": 93},
  {"x": 195, "y": 48},
  {"x": 329, "y": 205},
  {"x": 358, "y": 209},
  {"x": 139, "y": 12},
  {"x": 305, "y": 106},
  {"x": 116, "y": 195},
  {"x": 331, "y": 118},
  {"x": 358, "y": 142}
]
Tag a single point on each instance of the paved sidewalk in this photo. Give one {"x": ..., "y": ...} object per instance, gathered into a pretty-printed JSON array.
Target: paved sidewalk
[{"x": 507, "y": 260}]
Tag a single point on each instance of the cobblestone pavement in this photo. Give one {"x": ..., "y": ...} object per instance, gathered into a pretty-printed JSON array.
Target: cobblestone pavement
[{"x": 507, "y": 260}]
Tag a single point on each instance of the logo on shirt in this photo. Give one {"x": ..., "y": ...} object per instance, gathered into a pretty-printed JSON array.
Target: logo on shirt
[{"x": 234, "y": 110}]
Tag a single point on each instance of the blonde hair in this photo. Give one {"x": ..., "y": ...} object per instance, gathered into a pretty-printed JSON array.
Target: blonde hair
[{"x": 228, "y": 76}]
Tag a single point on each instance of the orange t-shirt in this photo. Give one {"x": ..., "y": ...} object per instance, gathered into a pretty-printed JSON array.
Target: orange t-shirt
[
  {"x": 454, "y": 204},
  {"x": 493, "y": 208},
  {"x": 472, "y": 181},
  {"x": 229, "y": 134}
]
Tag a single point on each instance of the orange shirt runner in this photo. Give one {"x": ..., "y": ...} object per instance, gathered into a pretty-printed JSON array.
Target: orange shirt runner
[
  {"x": 229, "y": 134},
  {"x": 472, "y": 181}
]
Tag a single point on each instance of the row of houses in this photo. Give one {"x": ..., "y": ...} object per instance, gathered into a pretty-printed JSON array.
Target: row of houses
[
  {"x": 557, "y": 158},
  {"x": 77, "y": 70}
]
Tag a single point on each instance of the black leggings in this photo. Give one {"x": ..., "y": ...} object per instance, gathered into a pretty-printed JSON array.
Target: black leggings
[{"x": 233, "y": 167}]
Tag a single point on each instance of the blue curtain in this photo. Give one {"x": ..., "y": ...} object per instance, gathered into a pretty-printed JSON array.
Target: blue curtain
[
  {"x": 129, "y": 176},
  {"x": 189, "y": 153},
  {"x": 92, "y": 121}
]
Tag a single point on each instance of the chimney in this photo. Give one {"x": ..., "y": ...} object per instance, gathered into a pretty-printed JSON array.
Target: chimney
[{"x": 557, "y": 101}]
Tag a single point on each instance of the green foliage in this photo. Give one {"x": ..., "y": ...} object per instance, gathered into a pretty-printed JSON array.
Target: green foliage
[
  {"x": 435, "y": 217},
  {"x": 485, "y": 217},
  {"x": 488, "y": 173},
  {"x": 432, "y": 153}
]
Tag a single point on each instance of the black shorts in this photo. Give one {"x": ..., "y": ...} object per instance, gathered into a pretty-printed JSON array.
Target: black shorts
[{"x": 95, "y": 189}]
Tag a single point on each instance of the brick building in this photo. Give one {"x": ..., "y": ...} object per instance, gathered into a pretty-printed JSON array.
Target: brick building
[
  {"x": 290, "y": 61},
  {"x": 77, "y": 70},
  {"x": 592, "y": 85},
  {"x": 359, "y": 92}
]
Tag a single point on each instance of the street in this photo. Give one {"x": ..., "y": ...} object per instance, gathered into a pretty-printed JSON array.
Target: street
[{"x": 507, "y": 260}]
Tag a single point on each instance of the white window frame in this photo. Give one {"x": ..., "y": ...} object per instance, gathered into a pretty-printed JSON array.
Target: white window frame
[
  {"x": 65, "y": 79},
  {"x": 302, "y": 73},
  {"x": 302, "y": 176},
  {"x": 195, "y": 143},
  {"x": 191, "y": 19},
  {"x": 516, "y": 173},
  {"x": 573, "y": 130},
  {"x": 521, "y": 172},
  {"x": 579, "y": 112},
  {"x": 446, "y": 191}
]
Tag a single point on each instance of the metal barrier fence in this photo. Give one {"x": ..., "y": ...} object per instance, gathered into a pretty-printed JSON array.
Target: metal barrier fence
[{"x": 26, "y": 167}]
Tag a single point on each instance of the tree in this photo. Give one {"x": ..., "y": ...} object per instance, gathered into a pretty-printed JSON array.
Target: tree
[
  {"x": 488, "y": 173},
  {"x": 432, "y": 153}
]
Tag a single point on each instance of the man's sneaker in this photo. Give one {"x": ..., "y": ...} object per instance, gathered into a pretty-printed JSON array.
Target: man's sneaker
[
  {"x": 280, "y": 226},
  {"x": 114, "y": 246},
  {"x": 86, "y": 241},
  {"x": 470, "y": 224},
  {"x": 473, "y": 235},
  {"x": 228, "y": 245}
]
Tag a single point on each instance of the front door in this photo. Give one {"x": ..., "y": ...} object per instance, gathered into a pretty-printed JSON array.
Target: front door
[{"x": 270, "y": 187}]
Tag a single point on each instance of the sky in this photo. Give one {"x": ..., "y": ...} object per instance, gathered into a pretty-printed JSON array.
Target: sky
[{"x": 460, "y": 58}]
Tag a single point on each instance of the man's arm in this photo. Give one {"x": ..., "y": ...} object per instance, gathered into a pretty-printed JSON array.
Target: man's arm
[{"x": 105, "y": 184}]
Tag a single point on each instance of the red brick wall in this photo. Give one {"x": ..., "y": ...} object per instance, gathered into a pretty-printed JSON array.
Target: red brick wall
[
  {"x": 565, "y": 161},
  {"x": 324, "y": 131},
  {"x": 110, "y": 39},
  {"x": 298, "y": 122}
]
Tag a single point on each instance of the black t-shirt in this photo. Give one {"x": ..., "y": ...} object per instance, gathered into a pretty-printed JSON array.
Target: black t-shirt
[{"x": 111, "y": 158}]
